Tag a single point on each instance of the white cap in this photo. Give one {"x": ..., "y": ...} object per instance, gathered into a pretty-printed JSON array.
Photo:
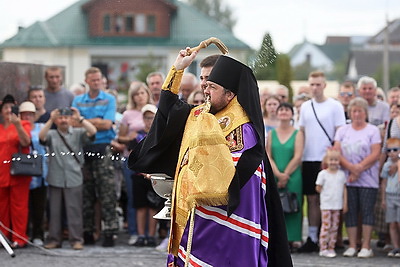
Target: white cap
[
  {"x": 27, "y": 106},
  {"x": 149, "y": 107}
]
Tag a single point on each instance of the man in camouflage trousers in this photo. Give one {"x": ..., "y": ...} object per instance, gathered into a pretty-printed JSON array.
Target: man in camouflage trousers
[{"x": 99, "y": 108}]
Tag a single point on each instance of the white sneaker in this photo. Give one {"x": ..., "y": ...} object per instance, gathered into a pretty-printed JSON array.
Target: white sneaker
[
  {"x": 38, "y": 242},
  {"x": 350, "y": 252},
  {"x": 331, "y": 253},
  {"x": 327, "y": 253},
  {"x": 323, "y": 253},
  {"x": 132, "y": 240},
  {"x": 365, "y": 253},
  {"x": 163, "y": 247}
]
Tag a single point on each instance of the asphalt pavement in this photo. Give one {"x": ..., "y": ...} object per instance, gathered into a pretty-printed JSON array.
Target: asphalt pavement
[{"x": 124, "y": 255}]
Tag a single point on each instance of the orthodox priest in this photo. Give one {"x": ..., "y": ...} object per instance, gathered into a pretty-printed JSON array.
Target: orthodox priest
[{"x": 226, "y": 209}]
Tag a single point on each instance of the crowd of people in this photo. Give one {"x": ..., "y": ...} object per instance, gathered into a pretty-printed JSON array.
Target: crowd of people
[
  {"x": 337, "y": 155},
  {"x": 343, "y": 139}
]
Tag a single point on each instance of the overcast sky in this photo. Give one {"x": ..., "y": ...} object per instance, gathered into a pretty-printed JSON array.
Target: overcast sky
[{"x": 288, "y": 21}]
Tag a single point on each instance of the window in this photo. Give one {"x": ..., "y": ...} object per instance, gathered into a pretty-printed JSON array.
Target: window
[
  {"x": 129, "y": 25},
  {"x": 151, "y": 23},
  {"x": 140, "y": 23},
  {"x": 119, "y": 23},
  {"x": 106, "y": 23}
]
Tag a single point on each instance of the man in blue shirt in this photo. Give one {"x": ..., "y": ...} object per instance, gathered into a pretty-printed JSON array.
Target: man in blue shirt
[{"x": 99, "y": 108}]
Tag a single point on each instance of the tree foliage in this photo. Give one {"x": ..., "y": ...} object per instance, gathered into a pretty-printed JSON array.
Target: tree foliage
[
  {"x": 284, "y": 73},
  {"x": 301, "y": 71},
  {"x": 149, "y": 64},
  {"x": 394, "y": 75},
  {"x": 217, "y": 10}
]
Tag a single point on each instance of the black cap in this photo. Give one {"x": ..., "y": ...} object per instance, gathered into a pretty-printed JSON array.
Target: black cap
[
  {"x": 7, "y": 99},
  {"x": 226, "y": 72}
]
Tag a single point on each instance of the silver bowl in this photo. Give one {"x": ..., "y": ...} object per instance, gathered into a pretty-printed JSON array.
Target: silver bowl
[{"x": 162, "y": 185}]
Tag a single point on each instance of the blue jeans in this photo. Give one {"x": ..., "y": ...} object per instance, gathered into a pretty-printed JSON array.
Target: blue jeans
[{"x": 131, "y": 216}]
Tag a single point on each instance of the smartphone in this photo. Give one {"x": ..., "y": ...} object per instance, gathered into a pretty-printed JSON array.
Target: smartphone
[{"x": 15, "y": 110}]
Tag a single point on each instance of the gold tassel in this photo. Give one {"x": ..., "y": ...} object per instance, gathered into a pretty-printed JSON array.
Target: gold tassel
[{"x": 190, "y": 237}]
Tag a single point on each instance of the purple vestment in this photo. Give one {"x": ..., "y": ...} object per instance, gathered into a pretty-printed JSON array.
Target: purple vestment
[{"x": 238, "y": 240}]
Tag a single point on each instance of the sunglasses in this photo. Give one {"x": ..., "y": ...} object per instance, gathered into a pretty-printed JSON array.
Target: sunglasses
[
  {"x": 392, "y": 149},
  {"x": 346, "y": 94}
]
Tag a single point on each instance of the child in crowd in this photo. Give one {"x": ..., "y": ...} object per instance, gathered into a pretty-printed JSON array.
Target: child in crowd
[
  {"x": 331, "y": 184},
  {"x": 391, "y": 193},
  {"x": 146, "y": 201},
  {"x": 64, "y": 174}
]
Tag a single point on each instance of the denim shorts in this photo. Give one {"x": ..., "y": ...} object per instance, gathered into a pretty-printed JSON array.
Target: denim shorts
[{"x": 392, "y": 207}]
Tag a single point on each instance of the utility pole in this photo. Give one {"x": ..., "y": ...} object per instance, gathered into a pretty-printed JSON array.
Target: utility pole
[{"x": 386, "y": 57}]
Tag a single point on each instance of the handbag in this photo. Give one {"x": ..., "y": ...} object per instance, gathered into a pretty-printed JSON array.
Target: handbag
[
  {"x": 289, "y": 202},
  {"x": 26, "y": 164}
]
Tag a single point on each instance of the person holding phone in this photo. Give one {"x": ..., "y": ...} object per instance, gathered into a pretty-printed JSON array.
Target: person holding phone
[
  {"x": 14, "y": 190},
  {"x": 64, "y": 175}
]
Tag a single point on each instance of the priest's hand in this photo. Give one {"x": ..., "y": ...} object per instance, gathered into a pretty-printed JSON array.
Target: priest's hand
[{"x": 184, "y": 59}]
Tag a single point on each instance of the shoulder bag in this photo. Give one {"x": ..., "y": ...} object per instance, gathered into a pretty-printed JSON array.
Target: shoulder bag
[
  {"x": 69, "y": 148},
  {"x": 320, "y": 124}
]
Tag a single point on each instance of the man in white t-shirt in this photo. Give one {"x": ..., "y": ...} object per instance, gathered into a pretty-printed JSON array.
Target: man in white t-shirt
[{"x": 318, "y": 134}]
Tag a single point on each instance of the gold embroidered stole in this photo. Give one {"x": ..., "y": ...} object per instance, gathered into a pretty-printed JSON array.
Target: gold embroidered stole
[{"x": 205, "y": 168}]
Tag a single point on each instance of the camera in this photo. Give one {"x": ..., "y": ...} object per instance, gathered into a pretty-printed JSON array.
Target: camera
[
  {"x": 15, "y": 110},
  {"x": 65, "y": 111}
]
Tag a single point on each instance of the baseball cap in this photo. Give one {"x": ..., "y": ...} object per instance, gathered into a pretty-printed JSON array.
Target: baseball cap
[
  {"x": 149, "y": 107},
  {"x": 27, "y": 106},
  {"x": 7, "y": 99}
]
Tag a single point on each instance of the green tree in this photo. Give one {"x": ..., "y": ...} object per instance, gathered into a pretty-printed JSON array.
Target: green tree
[
  {"x": 301, "y": 71},
  {"x": 217, "y": 10},
  {"x": 394, "y": 75},
  {"x": 149, "y": 64},
  {"x": 284, "y": 73},
  {"x": 339, "y": 71},
  {"x": 264, "y": 64}
]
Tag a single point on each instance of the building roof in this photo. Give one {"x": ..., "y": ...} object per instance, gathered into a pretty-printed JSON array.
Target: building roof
[
  {"x": 369, "y": 61},
  {"x": 334, "y": 51},
  {"x": 393, "y": 31},
  {"x": 69, "y": 28}
]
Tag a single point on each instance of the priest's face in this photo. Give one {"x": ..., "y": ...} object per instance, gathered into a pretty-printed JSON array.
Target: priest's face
[{"x": 219, "y": 97}]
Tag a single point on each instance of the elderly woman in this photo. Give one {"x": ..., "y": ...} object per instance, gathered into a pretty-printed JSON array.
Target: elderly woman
[
  {"x": 360, "y": 144},
  {"x": 38, "y": 186},
  {"x": 132, "y": 122},
  {"x": 14, "y": 190}
]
